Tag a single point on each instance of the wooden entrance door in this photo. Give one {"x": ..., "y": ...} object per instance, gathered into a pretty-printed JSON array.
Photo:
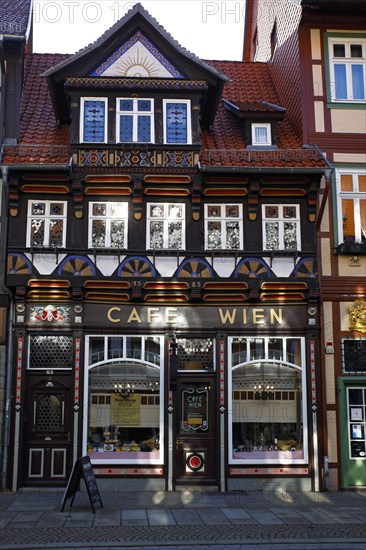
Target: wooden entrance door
[
  {"x": 47, "y": 434},
  {"x": 196, "y": 456}
]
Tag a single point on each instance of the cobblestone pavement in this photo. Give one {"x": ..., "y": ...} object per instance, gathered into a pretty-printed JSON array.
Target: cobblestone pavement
[{"x": 204, "y": 520}]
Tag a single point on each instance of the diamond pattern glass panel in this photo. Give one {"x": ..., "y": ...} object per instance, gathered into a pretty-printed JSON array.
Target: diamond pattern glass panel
[
  {"x": 50, "y": 352},
  {"x": 56, "y": 209},
  {"x": 94, "y": 120},
  {"x": 126, "y": 104},
  {"x": 126, "y": 128},
  {"x": 176, "y": 123},
  {"x": 144, "y": 105},
  {"x": 195, "y": 353},
  {"x": 143, "y": 129}
]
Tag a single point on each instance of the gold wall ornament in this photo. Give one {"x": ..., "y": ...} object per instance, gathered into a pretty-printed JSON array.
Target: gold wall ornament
[{"x": 357, "y": 316}]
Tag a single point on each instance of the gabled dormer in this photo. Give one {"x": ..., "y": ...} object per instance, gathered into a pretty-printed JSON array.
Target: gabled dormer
[
  {"x": 135, "y": 87},
  {"x": 257, "y": 122}
]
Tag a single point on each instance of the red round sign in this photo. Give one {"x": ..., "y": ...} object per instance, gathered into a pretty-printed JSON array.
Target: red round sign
[{"x": 195, "y": 462}]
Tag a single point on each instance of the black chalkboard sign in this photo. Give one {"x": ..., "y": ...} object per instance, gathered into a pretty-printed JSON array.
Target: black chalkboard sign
[{"x": 82, "y": 469}]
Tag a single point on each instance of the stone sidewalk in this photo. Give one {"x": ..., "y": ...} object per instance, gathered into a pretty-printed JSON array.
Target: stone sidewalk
[{"x": 252, "y": 519}]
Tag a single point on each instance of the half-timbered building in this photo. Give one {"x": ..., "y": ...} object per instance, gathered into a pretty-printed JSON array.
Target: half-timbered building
[{"x": 162, "y": 260}]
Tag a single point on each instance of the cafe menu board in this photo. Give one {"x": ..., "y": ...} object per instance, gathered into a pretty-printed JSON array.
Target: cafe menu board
[
  {"x": 82, "y": 470},
  {"x": 194, "y": 409}
]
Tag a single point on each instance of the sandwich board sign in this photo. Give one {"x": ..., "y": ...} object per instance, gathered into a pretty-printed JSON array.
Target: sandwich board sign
[{"x": 82, "y": 469}]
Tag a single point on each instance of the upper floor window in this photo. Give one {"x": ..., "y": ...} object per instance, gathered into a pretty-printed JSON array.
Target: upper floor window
[
  {"x": 166, "y": 226},
  {"x": 177, "y": 121},
  {"x": 93, "y": 120},
  {"x": 281, "y": 227},
  {"x": 46, "y": 224},
  {"x": 135, "y": 120},
  {"x": 223, "y": 226},
  {"x": 347, "y": 68},
  {"x": 108, "y": 224},
  {"x": 261, "y": 134},
  {"x": 351, "y": 206}
]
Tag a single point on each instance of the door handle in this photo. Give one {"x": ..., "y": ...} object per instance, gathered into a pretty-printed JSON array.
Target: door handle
[
  {"x": 178, "y": 443},
  {"x": 68, "y": 436}
]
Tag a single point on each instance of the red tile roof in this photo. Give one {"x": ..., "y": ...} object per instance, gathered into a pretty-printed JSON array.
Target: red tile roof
[
  {"x": 14, "y": 17},
  {"x": 42, "y": 142}
]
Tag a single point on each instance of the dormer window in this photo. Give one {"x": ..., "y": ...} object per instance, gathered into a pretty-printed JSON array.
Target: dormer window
[
  {"x": 93, "y": 120},
  {"x": 261, "y": 134},
  {"x": 135, "y": 120}
]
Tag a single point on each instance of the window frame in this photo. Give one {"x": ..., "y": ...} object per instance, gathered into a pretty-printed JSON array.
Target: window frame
[
  {"x": 108, "y": 219},
  {"x": 83, "y": 100},
  {"x": 282, "y": 220},
  {"x": 165, "y": 219},
  {"x": 222, "y": 219},
  {"x": 347, "y": 40},
  {"x": 268, "y": 142},
  {"x": 125, "y": 360},
  {"x": 301, "y": 367},
  {"x": 47, "y": 217},
  {"x": 135, "y": 115},
  {"x": 356, "y": 196},
  {"x": 189, "y": 121}
]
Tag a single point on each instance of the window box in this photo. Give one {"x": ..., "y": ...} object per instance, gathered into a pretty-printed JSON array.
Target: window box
[{"x": 352, "y": 248}]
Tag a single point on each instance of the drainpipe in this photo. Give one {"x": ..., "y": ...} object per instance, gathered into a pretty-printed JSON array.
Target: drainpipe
[{"x": 9, "y": 355}]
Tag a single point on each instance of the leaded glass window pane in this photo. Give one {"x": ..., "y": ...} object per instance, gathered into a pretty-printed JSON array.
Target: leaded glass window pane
[
  {"x": 50, "y": 352},
  {"x": 143, "y": 128},
  {"x": 38, "y": 209},
  {"x": 157, "y": 211},
  {"x": 56, "y": 209},
  {"x": 232, "y": 211},
  {"x": 49, "y": 414},
  {"x": 232, "y": 235},
  {"x": 176, "y": 123},
  {"x": 94, "y": 121},
  {"x": 126, "y": 105},
  {"x": 126, "y": 128},
  {"x": 290, "y": 236},
  {"x": 144, "y": 105},
  {"x": 175, "y": 235},
  {"x": 214, "y": 235},
  {"x": 99, "y": 209},
  {"x": 37, "y": 232},
  {"x": 213, "y": 211},
  {"x": 117, "y": 233},
  {"x": 98, "y": 233},
  {"x": 56, "y": 232},
  {"x": 272, "y": 236},
  {"x": 156, "y": 234},
  {"x": 174, "y": 211}
]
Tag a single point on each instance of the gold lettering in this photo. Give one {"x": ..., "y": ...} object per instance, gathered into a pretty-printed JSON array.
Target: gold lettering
[
  {"x": 134, "y": 316},
  {"x": 227, "y": 316},
  {"x": 244, "y": 316},
  {"x": 258, "y": 317},
  {"x": 109, "y": 314},
  {"x": 151, "y": 314},
  {"x": 276, "y": 316},
  {"x": 171, "y": 315}
]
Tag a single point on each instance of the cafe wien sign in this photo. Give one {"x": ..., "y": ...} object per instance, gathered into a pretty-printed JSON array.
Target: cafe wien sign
[{"x": 186, "y": 317}]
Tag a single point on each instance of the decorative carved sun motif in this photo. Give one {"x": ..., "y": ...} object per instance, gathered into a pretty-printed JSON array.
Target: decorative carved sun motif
[{"x": 135, "y": 64}]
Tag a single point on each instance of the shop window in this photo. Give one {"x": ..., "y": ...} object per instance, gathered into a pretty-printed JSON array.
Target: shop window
[
  {"x": 347, "y": 67},
  {"x": 93, "y": 120},
  {"x": 356, "y": 398},
  {"x": 267, "y": 399},
  {"x": 108, "y": 224},
  {"x": 125, "y": 413},
  {"x": 223, "y": 226},
  {"x": 195, "y": 354},
  {"x": 50, "y": 352},
  {"x": 261, "y": 134},
  {"x": 281, "y": 227},
  {"x": 46, "y": 226},
  {"x": 165, "y": 226},
  {"x": 351, "y": 196},
  {"x": 354, "y": 355},
  {"x": 135, "y": 120},
  {"x": 177, "y": 121}
]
